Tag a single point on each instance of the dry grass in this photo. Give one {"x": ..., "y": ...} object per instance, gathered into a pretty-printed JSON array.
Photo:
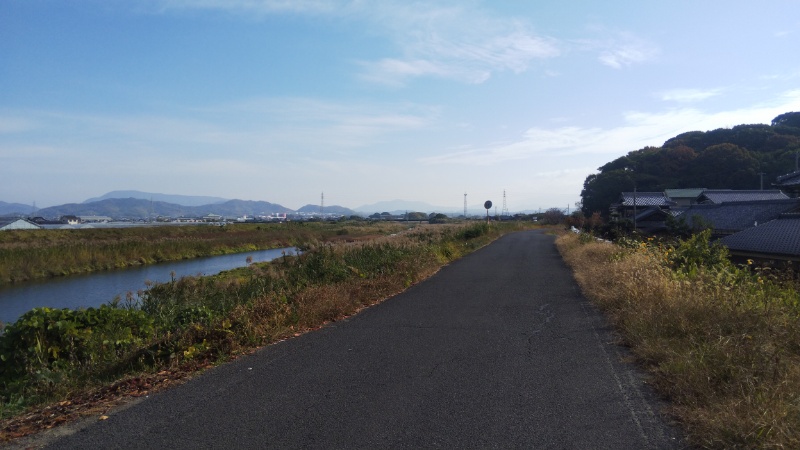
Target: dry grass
[
  {"x": 197, "y": 322},
  {"x": 722, "y": 345}
]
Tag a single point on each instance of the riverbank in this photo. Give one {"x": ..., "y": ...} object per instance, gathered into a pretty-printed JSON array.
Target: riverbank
[
  {"x": 721, "y": 342},
  {"x": 194, "y": 323},
  {"x": 40, "y": 254}
]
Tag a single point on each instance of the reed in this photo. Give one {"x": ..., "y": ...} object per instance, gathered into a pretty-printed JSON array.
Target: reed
[{"x": 36, "y": 254}]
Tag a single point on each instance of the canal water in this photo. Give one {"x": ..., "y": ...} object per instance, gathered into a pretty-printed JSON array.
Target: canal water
[{"x": 95, "y": 289}]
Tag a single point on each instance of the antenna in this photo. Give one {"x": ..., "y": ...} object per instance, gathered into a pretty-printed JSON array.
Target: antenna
[
  {"x": 465, "y": 205},
  {"x": 504, "y": 211}
]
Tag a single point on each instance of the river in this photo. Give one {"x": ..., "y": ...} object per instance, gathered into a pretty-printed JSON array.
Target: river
[{"x": 95, "y": 289}]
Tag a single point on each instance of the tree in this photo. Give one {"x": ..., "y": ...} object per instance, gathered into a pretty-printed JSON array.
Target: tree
[
  {"x": 553, "y": 216},
  {"x": 603, "y": 189},
  {"x": 725, "y": 166},
  {"x": 789, "y": 119}
]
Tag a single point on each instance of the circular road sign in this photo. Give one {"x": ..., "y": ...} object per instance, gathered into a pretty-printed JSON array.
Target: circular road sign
[{"x": 488, "y": 204}]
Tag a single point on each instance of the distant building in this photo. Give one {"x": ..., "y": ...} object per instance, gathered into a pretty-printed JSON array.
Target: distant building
[
  {"x": 95, "y": 219},
  {"x": 70, "y": 220},
  {"x": 17, "y": 224}
]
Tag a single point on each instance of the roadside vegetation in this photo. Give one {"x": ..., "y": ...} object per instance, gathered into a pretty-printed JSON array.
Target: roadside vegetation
[
  {"x": 37, "y": 254},
  {"x": 721, "y": 341},
  {"x": 53, "y": 360}
]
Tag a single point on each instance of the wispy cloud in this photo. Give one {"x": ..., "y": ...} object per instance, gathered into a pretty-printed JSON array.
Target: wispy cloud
[
  {"x": 288, "y": 128},
  {"x": 442, "y": 39},
  {"x": 14, "y": 124},
  {"x": 639, "y": 129},
  {"x": 689, "y": 95},
  {"x": 620, "y": 49}
]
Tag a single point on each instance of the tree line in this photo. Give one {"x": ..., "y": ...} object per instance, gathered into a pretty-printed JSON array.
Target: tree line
[{"x": 742, "y": 157}]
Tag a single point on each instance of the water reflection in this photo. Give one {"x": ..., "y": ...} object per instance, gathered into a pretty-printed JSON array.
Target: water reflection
[{"x": 98, "y": 288}]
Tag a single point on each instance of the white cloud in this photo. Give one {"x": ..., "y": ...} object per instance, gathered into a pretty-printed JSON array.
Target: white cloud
[
  {"x": 443, "y": 39},
  {"x": 461, "y": 44},
  {"x": 689, "y": 95},
  {"x": 639, "y": 129},
  {"x": 620, "y": 49}
]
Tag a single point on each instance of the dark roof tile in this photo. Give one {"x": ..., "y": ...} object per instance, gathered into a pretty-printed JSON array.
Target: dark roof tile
[
  {"x": 724, "y": 196},
  {"x": 736, "y": 216},
  {"x": 779, "y": 237}
]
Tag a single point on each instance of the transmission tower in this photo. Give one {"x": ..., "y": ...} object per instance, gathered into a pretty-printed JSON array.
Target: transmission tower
[
  {"x": 504, "y": 211},
  {"x": 465, "y": 205},
  {"x": 321, "y": 203}
]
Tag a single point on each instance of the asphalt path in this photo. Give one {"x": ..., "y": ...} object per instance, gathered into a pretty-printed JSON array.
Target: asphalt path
[{"x": 497, "y": 350}]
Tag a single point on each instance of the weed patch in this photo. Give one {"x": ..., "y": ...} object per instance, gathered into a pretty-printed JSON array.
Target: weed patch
[
  {"x": 54, "y": 355},
  {"x": 721, "y": 342}
]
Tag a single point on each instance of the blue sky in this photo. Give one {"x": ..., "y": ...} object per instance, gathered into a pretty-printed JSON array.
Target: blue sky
[{"x": 281, "y": 100}]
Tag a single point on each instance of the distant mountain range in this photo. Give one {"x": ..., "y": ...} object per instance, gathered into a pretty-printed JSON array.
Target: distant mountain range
[
  {"x": 139, "y": 205},
  {"x": 135, "y": 208},
  {"x": 185, "y": 200},
  {"x": 9, "y": 209},
  {"x": 403, "y": 206}
]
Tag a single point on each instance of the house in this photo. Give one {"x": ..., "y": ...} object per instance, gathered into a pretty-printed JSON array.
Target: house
[
  {"x": 776, "y": 240},
  {"x": 684, "y": 197},
  {"x": 13, "y": 223},
  {"x": 717, "y": 196},
  {"x": 652, "y": 219},
  {"x": 70, "y": 220},
  {"x": 732, "y": 217},
  {"x": 789, "y": 183},
  {"x": 631, "y": 203}
]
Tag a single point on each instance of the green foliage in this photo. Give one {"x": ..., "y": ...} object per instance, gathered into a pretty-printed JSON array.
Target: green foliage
[
  {"x": 473, "y": 231},
  {"x": 45, "y": 344},
  {"x": 725, "y": 158},
  {"x": 699, "y": 252},
  {"x": 48, "y": 353}
]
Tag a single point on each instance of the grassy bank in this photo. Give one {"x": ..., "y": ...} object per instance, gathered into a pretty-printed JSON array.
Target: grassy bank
[
  {"x": 56, "y": 357},
  {"x": 721, "y": 342},
  {"x": 36, "y": 254}
]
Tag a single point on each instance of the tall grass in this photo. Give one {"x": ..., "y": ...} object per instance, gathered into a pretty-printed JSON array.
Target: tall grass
[
  {"x": 34, "y": 254},
  {"x": 51, "y": 355},
  {"x": 721, "y": 342}
]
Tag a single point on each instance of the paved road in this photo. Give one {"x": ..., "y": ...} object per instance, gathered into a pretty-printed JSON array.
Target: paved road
[{"x": 498, "y": 350}]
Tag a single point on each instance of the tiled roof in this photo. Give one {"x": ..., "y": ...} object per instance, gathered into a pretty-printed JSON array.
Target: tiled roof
[
  {"x": 722, "y": 196},
  {"x": 779, "y": 237},
  {"x": 790, "y": 179},
  {"x": 652, "y": 212},
  {"x": 645, "y": 199},
  {"x": 684, "y": 193},
  {"x": 737, "y": 216}
]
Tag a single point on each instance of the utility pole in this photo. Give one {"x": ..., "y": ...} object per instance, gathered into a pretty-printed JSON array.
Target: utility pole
[{"x": 465, "y": 206}]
